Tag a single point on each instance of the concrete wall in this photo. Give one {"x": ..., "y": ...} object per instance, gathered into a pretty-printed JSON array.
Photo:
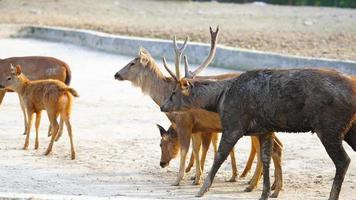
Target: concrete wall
[{"x": 226, "y": 57}]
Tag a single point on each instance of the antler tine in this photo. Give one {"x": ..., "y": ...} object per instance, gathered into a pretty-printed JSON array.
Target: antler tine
[
  {"x": 207, "y": 61},
  {"x": 168, "y": 70},
  {"x": 178, "y": 54},
  {"x": 186, "y": 67}
]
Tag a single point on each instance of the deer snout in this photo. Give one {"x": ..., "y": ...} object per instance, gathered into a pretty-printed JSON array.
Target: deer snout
[
  {"x": 118, "y": 76},
  {"x": 163, "y": 109},
  {"x": 1, "y": 87},
  {"x": 163, "y": 164}
]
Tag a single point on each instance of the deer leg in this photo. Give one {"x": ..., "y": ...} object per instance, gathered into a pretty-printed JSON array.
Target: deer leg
[
  {"x": 184, "y": 140},
  {"x": 60, "y": 131},
  {"x": 191, "y": 163},
  {"x": 335, "y": 150},
  {"x": 278, "y": 175},
  {"x": 250, "y": 160},
  {"x": 37, "y": 125},
  {"x": 266, "y": 142},
  {"x": 54, "y": 128},
  {"x": 233, "y": 166},
  {"x": 23, "y": 108},
  {"x": 49, "y": 131},
  {"x": 214, "y": 141},
  {"x": 228, "y": 141},
  {"x": 69, "y": 130},
  {"x": 206, "y": 141},
  {"x": 258, "y": 171},
  {"x": 28, "y": 129},
  {"x": 196, "y": 139}
]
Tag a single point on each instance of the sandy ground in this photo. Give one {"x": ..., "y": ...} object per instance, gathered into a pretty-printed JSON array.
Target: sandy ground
[
  {"x": 308, "y": 31},
  {"x": 118, "y": 145}
]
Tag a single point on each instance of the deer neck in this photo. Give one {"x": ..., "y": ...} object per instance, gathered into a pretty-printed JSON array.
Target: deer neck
[
  {"x": 208, "y": 94},
  {"x": 21, "y": 85},
  {"x": 156, "y": 85}
]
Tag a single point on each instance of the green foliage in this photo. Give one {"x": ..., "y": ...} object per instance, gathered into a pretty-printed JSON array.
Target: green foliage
[{"x": 330, "y": 3}]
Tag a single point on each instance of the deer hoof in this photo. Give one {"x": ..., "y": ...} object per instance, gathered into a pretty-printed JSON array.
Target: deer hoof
[
  {"x": 188, "y": 169},
  {"x": 176, "y": 183},
  {"x": 196, "y": 182},
  {"x": 264, "y": 196},
  {"x": 275, "y": 194},
  {"x": 232, "y": 179},
  {"x": 47, "y": 152},
  {"x": 248, "y": 189}
]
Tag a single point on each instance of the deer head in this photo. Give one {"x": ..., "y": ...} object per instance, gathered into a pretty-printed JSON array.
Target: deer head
[
  {"x": 15, "y": 77},
  {"x": 169, "y": 145},
  {"x": 180, "y": 99},
  {"x": 136, "y": 67}
]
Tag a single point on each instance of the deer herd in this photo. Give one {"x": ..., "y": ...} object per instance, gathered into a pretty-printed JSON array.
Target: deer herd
[{"x": 255, "y": 103}]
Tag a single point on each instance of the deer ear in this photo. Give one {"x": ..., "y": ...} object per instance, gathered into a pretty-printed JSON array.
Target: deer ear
[
  {"x": 184, "y": 84},
  {"x": 12, "y": 69},
  {"x": 161, "y": 130},
  {"x": 18, "y": 70},
  {"x": 144, "y": 60}
]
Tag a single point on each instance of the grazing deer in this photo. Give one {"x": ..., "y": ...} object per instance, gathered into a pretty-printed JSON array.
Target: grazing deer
[
  {"x": 260, "y": 102},
  {"x": 170, "y": 147},
  {"x": 35, "y": 68},
  {"x": 51, "y": 95},
  {"x": 143, "y": 72}
]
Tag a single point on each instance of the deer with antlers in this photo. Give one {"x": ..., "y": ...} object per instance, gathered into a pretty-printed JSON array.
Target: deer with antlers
[
  {"x": 143, "y": 72},
  {"x": 260, "y": 102},
  {"x": 35, "y": 68},
  {"x": 51, "y": 95}
]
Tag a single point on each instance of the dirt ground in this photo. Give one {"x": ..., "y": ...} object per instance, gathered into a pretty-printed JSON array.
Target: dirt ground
[
  {"x": 117, "y": 144},
  {"x": 306, "y": 31}
]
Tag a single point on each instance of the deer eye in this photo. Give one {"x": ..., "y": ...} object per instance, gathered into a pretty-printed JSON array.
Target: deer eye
[{"x": 9, "y": 78}]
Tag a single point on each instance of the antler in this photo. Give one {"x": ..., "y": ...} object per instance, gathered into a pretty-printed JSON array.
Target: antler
[
  {"x": 168, "y": 70},
  {"x": 214, "y": 36},
  {"x": 178, "y": 57}
]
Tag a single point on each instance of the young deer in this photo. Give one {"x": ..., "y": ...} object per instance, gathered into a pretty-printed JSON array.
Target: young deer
[
  {"x": 35, "y": 68},
  {"x": 170, "y": 147},
  {"x": 260, "y": 102},
  {"x": 143, "y": 72},
  {"x": 50, "y": 95}
]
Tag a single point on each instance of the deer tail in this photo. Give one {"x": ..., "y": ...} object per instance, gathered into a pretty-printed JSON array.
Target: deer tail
[{"x": 73, "y": 92}]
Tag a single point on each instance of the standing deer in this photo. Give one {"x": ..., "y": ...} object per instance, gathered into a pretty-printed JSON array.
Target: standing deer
[
  {"x": 51, "y": 95},
  {"x": 260, "y": 102},
  {"x": 35, "y": 68},
  {"x": 143, "y": 72}
]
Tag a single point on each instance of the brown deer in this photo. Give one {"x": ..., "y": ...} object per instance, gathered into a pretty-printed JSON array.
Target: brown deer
[
  {"x": 143, "y": 72},
  {"x": 51, "y": 95},
  {"x": 35, "y": 68},
  {"x": 170, "y": 147},
  {"x": 260, "y": 102}
]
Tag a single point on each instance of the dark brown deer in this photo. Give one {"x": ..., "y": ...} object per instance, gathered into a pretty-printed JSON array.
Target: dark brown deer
[
  {"x": 143, "y": 72},
  {"x": 35, "y": 68},
  {"x": 51, "y": 95},
  {"x": 260, "y": 102}
]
